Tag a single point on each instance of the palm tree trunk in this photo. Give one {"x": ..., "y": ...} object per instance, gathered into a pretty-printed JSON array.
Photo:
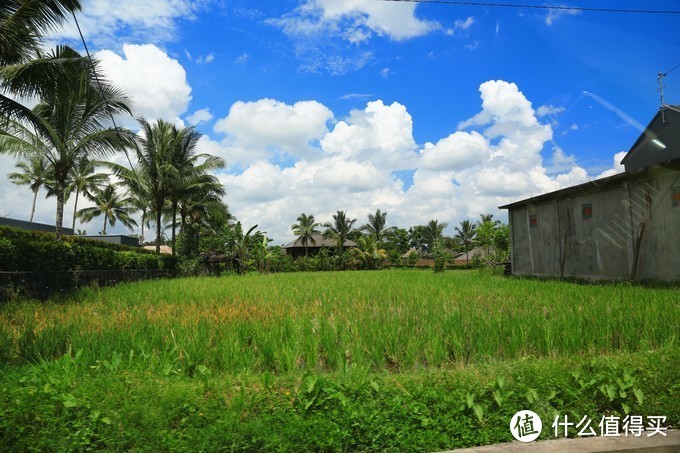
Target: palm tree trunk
[
  {"x": 75, "y": 207},
  {"x": 174, "y": 216},
  {"x": 105, "y": 219},
  {"x": 60, "y": 213},
  {"x": 158, "y": 226},
  {"x": 35, "y": 195},
  {"x": 141, "y": 237}
]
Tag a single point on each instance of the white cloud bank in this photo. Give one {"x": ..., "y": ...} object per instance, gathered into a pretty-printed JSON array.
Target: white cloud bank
[
  {"x": 286, "y": 159},
  {"x": 355, "y": 165},
  {"x": 156, "y": 84}
]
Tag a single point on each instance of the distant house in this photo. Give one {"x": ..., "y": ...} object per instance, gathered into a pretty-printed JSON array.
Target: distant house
[
  {"x": 625, "y": 226},
  {"x": 120, "y": 239},
  {"x": 463, "y": 259},
  {"x": 295, "y": 249},
  {"x": 165, "y": 249}
]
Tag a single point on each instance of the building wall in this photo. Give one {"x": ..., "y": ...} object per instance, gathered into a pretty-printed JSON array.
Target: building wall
[
  {"x": 652, "y": 206},
  {"x": 535, "y": 246},
  {"x": 628, "y": 231},
  {"x": 595, "y": 235},
  {"x": 130, "y": 241},
  {"x": 32, "y": 226}
]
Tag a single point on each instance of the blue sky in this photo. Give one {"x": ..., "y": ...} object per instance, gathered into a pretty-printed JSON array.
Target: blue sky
[{"x": 426, "y": 111}]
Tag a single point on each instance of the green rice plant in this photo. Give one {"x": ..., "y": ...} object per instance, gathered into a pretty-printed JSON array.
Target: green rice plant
[{"x": 395, "y": 320}]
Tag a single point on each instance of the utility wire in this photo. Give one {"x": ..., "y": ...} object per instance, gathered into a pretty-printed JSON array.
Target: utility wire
[
  {"x": 556, "y": 7},
  {"x": 101, "y": 92}
]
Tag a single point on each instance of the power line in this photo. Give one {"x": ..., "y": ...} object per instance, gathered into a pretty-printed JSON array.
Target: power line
[
  {"x": 556, "y": 7},
  {"x": 103, "y": 95}
]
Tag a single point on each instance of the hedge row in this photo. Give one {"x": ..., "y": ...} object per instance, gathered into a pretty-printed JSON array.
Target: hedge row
[{"x": 22, "y": 250}]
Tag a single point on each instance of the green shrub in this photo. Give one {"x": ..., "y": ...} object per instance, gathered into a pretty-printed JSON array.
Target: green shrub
[{"x": 22, "y": 250}]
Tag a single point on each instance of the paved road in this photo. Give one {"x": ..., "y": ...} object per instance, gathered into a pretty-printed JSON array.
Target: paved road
[{"x": 654, "y": 444}]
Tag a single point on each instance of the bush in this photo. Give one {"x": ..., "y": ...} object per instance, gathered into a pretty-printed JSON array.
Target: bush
[{"x": 22, "y": 250}]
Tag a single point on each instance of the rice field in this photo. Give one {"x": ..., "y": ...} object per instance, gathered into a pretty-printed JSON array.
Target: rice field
[{"x": 395, "y": 320}]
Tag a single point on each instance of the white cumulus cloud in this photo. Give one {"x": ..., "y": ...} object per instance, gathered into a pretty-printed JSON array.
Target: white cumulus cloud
[
  {"x": 156, "y": 83},
  {"x": 269, "y": 123}
]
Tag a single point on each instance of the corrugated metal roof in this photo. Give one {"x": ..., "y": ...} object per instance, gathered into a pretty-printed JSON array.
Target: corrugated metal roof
[
  {"x": 318, "y": 242},
  {"x": 597, "y": 185}
]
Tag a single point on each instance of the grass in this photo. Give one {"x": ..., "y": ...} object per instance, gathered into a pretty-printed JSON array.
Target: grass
[{"x": 401, "y": 359}]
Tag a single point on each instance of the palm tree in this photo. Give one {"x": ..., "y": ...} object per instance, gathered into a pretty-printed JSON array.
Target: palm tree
[
  {"x": 191, "y": 175},
  {"x": 202, "y": 208},
  {"x": 153, "y": 167},
  {"x": 466, "y": 234},
  {"x": 305, "y": 230},
  {"x": 68, "y": 124},
  {"x": 34, "y": 174},
  {"x": 109, "y": 204},
  {"x": 340, "y": 229},
  {"x": 368, "y": 252},
  {"x": 22, "y": 22},
  {"x": 433, "y": 232},
  {"x": 23, "y": 70},
  {"x": 138, "y": 192},
  {"x": 84, "y": 180},
  {"x": 376, "y": 226},
  {"x": 486, "y": 218}
]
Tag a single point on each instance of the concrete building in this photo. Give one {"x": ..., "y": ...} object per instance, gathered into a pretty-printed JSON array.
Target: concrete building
[
  {"x": 625, "y": 226},
  {"x": 32, "y": 226}
]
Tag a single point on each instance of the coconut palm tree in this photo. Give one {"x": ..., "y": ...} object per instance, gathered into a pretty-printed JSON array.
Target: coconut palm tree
[
  {"x": 112, "y": 206},
  {"x": 191, "y": 171},
  {"x": 340, "y": 229},
  {"x": 24, "y": 72},
  {"x": 23, "y": 22},
  {"x": 368, "y": 253},
  {"x": 68, "y": 124},
  {"x": 153, "y": 167},
  {"x": 34, "y": 173},
  {"x": 433, "y": 232},
  {"x": 487, "y": 218},
  {"x": 376, "y": 226},
  {"x": 466, "y": 234},
  {"x": 138, "y": 192},
  {"x": 305, "y": 230},
  {"x": 84, "y": 179}
]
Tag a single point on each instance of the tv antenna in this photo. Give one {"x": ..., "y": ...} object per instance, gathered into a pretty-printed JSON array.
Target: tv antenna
[{"x": 660, "y": 90}]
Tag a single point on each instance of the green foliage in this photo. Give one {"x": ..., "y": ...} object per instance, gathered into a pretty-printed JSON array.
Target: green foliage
[
  {"x": 440, "y": 256},
  {"x": 188, "y": 243},
  {"x": 22, "y": 250},
  {"x": 120, "y": 402}
]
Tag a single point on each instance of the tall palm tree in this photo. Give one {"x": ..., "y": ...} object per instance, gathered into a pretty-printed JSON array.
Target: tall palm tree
[
  {"x": 433, "y": 232},
  {"x": 466, "y": 233},
  {"x": 201, "y": 203},
  {"x": 112, "y": 206},
  {"x": 191, "y": 171},
  {"x": 376, "y": 226},
  {"x": 305, "y": 230},
  {"x": 34, "y": 174},
  {"x": 84, "y": 179},
  {"x": 138, "y": 192},
  {"x": 68, "y": 124},
  {"x": 340, "y": 229},
  {"x": 153, "y": 167}
]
